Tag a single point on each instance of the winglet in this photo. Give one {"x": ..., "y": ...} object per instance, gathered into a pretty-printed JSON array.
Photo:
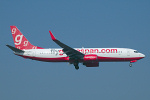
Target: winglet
[{"x": 52, "y": 36}]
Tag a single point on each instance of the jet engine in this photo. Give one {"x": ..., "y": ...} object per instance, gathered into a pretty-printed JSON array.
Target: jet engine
[
  {"x": 91, "y": 60},
  {"x": 90, "y": 57}
]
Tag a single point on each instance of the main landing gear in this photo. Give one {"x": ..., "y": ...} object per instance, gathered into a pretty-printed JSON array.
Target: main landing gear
[{"x": 76, "y": 65}]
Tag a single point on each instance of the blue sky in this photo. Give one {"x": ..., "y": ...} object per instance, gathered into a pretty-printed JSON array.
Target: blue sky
[{"x": 80, "y": 23}]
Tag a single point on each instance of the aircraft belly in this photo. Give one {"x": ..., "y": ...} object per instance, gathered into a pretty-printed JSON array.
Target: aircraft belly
[
  {"x": 47, "y": 58},
  {"x": 117, "y": 58}
]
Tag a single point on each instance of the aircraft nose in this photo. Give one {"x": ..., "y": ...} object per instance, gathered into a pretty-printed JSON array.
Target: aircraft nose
[{"x": 142, "y": 55}]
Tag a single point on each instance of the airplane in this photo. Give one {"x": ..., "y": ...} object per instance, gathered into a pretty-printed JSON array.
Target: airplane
[{"x": 90, "y": 57}]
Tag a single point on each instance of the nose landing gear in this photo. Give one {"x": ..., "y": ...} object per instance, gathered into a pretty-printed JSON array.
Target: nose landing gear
[
  {"x": 132, "y": 62},
  {"x": 130, "y": 65}
]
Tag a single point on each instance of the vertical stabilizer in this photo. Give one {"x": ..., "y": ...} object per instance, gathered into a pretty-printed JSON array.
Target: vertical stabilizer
[{"x": 20, "y": 40}]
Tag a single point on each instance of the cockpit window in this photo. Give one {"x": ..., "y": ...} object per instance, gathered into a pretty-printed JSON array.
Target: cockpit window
[{"x": 136, "y": 51}]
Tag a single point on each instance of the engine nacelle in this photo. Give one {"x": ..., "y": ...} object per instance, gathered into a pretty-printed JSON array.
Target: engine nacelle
[
  {"x": 90, "y": 57},
  {"x": 91, "y": 60}
]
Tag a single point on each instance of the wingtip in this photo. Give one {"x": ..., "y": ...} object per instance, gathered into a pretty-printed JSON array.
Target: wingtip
[{"x": 52, "y": 36}]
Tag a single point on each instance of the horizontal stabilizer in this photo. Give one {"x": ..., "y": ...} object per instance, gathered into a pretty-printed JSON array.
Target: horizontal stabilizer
[{"x": 15, "y": 49}]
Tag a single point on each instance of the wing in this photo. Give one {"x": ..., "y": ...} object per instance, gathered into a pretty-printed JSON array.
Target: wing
[{"x": 72, "y": 53}]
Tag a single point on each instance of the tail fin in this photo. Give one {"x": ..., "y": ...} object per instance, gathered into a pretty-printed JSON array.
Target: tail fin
[{"x": 20, "y": 41}]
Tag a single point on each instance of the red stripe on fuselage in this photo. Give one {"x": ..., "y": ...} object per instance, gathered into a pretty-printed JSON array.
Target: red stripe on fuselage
[
  {"x": 59, "y": 59},
  {"x": 66, "y": 59},
  {"x": 117, "y": 59}
]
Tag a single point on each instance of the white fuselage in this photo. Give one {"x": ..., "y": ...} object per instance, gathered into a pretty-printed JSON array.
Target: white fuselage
[{"x": 104, "y": 54}]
